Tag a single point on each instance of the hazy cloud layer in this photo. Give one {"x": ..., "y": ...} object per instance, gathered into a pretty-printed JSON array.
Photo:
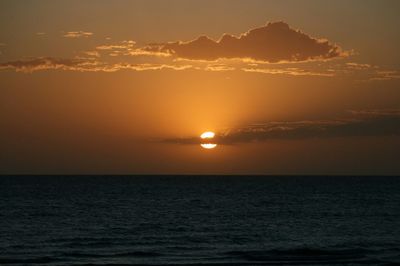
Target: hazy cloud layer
[
  {"x": 275, "y": 42},
  {"x": 359, "y": 123},
  {"x": 94, "y": 61}
]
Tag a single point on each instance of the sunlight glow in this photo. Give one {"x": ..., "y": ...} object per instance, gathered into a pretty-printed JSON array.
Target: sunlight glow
[
  {"x": 207, "y": 135},
  {"x": 208, "y": 146}
]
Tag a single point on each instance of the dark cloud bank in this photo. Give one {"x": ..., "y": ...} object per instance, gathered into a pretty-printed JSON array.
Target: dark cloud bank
[
  {"x": 275, "y": 42},
  {"x": 358, "y": 124}
]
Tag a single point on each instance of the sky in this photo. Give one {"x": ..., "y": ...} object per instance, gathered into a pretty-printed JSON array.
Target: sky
[{"x": 127, "y": 87}]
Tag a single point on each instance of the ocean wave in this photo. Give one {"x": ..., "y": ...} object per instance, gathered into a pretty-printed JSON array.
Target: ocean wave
[
  {"x": 132, "y": 254},
  {"x": 304, "y": 255},
  {"x": 37, "y": 260}
]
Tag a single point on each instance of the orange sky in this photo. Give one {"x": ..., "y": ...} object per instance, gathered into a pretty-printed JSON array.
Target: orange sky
[{"x": 127, "y": 87}]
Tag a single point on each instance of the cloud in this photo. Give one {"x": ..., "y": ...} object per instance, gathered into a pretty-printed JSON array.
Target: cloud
[
  {"x": 218, "y": 68},
  {"x": 124, "y": 45},
  {"x": 144, "y": 52},
  {"x": 251, "y": 52},
  {"x": 42, "y": 63},
  {"x": 368, "y": 72},
  {"x": 77, "y": 34},
  {"x": 288, "y": 71},
  {"x": 144, "y": 67},
  {"x": 358, "y": 66},
  {"x": 376, "y": 112},
  {"x": 92, "y": 54},
  {"x": 385, "y": 75},
  {"x": 274, "y": 42},
  {"x": 94, "y": 61},
  {"x": 384, "y": 122},
  {"x": 82, "y": 65},
  {"x": 127, "y": 48}
]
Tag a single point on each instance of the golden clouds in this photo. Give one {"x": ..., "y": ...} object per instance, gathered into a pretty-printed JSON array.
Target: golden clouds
[
  {"x": 81, "y": 65},
  {"x": 274, "y": 49},
  {"x": 94, "y": 61}
]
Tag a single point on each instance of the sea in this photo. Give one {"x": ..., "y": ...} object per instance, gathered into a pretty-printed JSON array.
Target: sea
[{"x": 199, "y": 220}]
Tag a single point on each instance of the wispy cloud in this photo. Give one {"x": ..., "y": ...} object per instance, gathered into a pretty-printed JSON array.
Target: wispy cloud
[
  {"x": 82, "y": 65},
  {"x": 358, "y": 66},
  {"x": 128, "y": 48},
  {"x": 219, "y": 67},
  {"x": 92, "y": 60},
  {"x": 43, "y": 63},
  {"x": 368, "y": 72},
  {"x": 358, "y": 72},
  {"x": 77, "y": 34},
  {"x": 124, "y": 45},
  {"x": 386, "y": 75},
  {"x": 92, "y": 54},
  {"x": 384, "y": 122},
  {"x": 144, "y": 67},
  {"x": 376, "y": 112},
  {"x": 288, "y": 71}
]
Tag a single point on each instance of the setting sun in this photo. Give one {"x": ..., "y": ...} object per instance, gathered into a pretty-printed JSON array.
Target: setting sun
[
  {"x": 208, "y": 136},
  {"x": 208, "y": 146}
]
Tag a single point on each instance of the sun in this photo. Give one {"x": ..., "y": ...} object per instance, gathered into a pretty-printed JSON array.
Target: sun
[
  {"x": 206, "y": 136},
  {"x": 208, "y": 146}
]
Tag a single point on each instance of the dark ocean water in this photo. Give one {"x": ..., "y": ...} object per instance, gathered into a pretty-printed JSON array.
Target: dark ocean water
[{"x": 194, "y": 220}]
